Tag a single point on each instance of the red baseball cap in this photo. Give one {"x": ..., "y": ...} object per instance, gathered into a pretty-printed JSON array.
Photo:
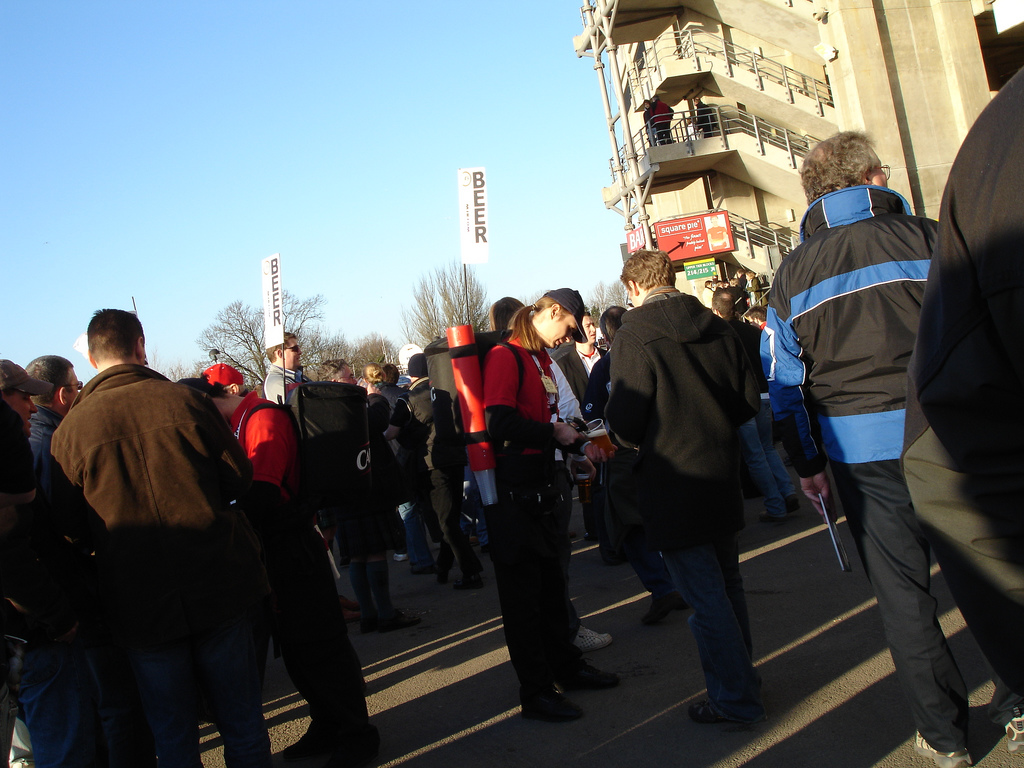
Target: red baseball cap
[{"x": 222, "y": 373}]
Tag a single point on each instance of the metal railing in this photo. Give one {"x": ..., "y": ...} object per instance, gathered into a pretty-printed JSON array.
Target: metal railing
[
  {"x": 691, "y": 127},
  {"x": 695, "y": 45},
  {"x": 754, "y": 233}
]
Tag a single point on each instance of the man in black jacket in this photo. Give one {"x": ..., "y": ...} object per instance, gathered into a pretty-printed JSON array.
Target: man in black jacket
[
  {"x": 681, "y": 385},
  {"x": 842, "y": 320}
]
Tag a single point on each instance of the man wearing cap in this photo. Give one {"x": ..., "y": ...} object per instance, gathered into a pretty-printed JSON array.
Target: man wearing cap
[
  {"x": 306, "y": 618},
  {"x": 228, "y": 377},
  {"x": 681, "y": 385},
  {"x": 285, "y": 372},
  {"x": 179, "y": 567}
]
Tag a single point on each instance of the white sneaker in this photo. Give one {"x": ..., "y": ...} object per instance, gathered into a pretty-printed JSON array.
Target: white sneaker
[
  {"x": 588, "y": 640},
  {"x": 942, "y": 759},
  {"x": 400, "y": 558},
  {"x": 1015, "y": 731}
]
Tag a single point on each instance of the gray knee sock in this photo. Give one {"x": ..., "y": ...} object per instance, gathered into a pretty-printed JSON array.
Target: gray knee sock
[
  {"x": 377, "y": 575},
  {"x": 357, "y": 574}
]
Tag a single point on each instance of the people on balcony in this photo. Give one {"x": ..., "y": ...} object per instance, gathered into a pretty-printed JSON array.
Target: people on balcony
[{"x": 658, "y": 119}]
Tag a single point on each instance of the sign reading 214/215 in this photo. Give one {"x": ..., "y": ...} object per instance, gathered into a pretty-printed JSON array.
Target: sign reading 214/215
[{"x": 473, "y": 215}]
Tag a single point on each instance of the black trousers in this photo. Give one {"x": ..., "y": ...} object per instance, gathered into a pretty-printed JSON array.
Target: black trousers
[
  {"x": 897, "y": 560},
  {"x": 446, "y": 499},
  {"x": 975, "y": 523},
  {"x": 310, "y": 628},
  {"x": 533, "y": 612}
]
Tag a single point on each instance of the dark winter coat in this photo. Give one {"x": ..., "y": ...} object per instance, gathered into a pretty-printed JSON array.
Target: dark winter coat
[
  {"x": 681, "y": 384},
  {"x": 159, "y": 466}
]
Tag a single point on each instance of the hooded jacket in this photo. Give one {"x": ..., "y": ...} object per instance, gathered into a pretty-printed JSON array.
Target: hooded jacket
[
  {"x": 159, "y": 467},
  {"x": 681, "y": 384},
  {"x": 842, "y": 319}
]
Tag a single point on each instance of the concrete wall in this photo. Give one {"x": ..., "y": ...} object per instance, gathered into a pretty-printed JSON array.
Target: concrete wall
[{"x": 910, "y": 73}]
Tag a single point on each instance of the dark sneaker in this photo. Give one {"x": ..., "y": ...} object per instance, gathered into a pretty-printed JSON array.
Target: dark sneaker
[
  {"x": 469, "y": 582},
  {"x": 551, "y": 706},
  {"x": 706, "y": 712},
  {"x": 315, "y": 741},
  {"x": 398, "y": 621},
  {"x": 662, "y": 606}
]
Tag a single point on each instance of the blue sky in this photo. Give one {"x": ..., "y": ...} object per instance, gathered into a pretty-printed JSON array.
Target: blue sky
[{"x": 162, "y": 149}]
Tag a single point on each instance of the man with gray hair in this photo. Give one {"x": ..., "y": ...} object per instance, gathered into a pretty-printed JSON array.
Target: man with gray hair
[{"x": 842, "y": 320}]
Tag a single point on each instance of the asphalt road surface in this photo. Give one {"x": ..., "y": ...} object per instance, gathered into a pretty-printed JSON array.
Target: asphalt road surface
[{"x": 444, "y": 694}]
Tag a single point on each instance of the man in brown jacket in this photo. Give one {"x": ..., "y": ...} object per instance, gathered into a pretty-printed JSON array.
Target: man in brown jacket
[{"x": 179, "y": 567}]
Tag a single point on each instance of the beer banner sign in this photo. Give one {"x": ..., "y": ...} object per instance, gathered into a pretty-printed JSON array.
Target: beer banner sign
[
  {"x": 273, "y": 296},
  {"x": 473, "y": 215}
]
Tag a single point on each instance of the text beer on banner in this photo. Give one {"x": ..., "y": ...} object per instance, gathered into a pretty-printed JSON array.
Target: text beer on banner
[
  {"x": 273, "y": 300},
  {"x": 473, "y": 215}
]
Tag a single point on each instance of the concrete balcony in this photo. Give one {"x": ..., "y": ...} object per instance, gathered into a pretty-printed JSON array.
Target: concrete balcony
[
  {"x": 681, "y": 65},
  {"x": 725, "y": 139},
  {"x": 790, "y": 23}
]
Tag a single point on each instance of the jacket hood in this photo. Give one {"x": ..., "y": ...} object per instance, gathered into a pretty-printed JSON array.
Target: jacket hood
[
  {"x": 676, "y": 316},
  {"x": 846, "y": 206}
]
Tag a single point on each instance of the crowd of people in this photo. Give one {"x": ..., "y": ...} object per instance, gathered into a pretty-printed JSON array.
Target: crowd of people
[{"x": 153, "y": 548}]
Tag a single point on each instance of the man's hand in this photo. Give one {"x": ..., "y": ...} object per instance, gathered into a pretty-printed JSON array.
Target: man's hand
[
  {"x": 584, "y": 466},
  {"x": 818, "y": 484},
  {"x": 565, "y": 434},
  {"x": 597, "y": 454}
]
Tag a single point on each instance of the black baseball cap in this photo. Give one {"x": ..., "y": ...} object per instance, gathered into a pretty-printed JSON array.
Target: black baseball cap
[{"x": 571, "y": 302}]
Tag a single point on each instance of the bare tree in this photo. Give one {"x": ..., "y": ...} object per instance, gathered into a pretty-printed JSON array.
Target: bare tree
[
  {"x": 174, "y": 369},
  {"x": 237, "y": 333},
  {"x": 439, "y": 302},
  {"x": 604, "y": 295},
  {"x": 372, "y": 348},
  {"x": 322, "y": 346}
]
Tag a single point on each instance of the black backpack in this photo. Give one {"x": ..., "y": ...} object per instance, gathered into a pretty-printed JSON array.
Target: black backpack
[
  {"x": 334, "y": 444},
  {"x": 447, "y": 412}
]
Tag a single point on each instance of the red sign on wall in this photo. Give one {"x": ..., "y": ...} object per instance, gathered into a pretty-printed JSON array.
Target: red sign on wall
[
  {"x": 692, "y": 237},
  {"x": 635, "y": 239}
]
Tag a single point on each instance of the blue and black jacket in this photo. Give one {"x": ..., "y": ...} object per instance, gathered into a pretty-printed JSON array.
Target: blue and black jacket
[{"x": 842, "y": 320}]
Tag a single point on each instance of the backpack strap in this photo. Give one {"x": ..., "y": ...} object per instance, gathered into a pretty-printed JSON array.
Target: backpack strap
[
  {"x": 518, "y": 359},
  {"x": 295, "y": 427}
]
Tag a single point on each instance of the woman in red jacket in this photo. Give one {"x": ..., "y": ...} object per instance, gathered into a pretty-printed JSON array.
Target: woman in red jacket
[{"x": 521, "y": 402}]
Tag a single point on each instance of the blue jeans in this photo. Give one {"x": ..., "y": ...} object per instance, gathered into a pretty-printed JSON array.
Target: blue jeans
[
  {"x": 56, "y": 696},
  {"x": 129, "y": 740},
  {"x": 708, "y": 577},
  {"x": 415, "y": 535},
  {"x": 221, "y": 663},
  {"x": 473, "y": 509},
  {"x": 766, "y": 468}
]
